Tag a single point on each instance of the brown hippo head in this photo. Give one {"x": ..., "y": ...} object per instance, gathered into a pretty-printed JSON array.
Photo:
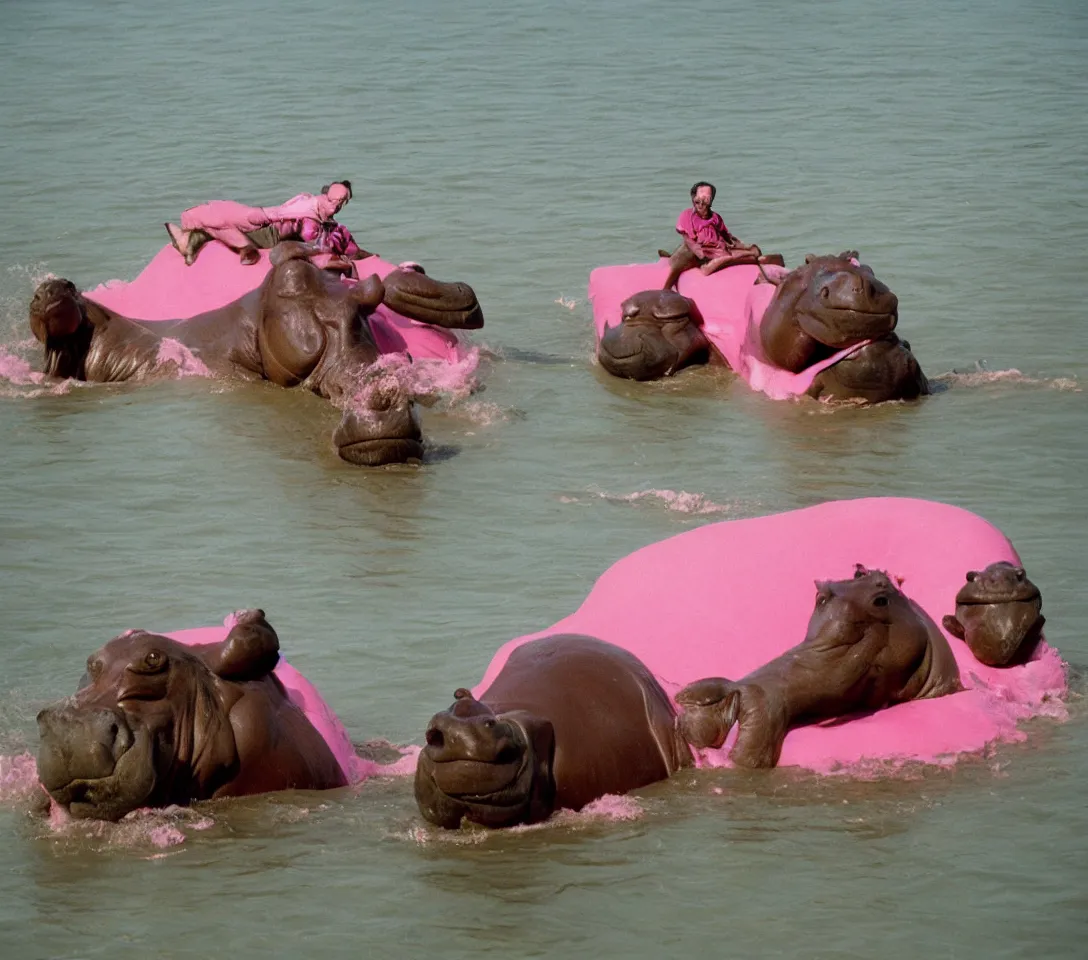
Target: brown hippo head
[
  {"x": 656, "y": 336},
  {"x": 830, "y": 303},
  {"x": 383, "y": 428},
  {"x": 492, "y": 769},
  {"x": 876, "y": 372},
  {"x": 998, "y": 614},
  {"x": 157, "y": 722},
  {"x": 867, "y": 646},
  {"x": 58, "y": 319}
]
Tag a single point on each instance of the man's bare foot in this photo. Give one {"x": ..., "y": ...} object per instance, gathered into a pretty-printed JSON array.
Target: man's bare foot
[
  {"x": 179, "y": 239},
  {"x": 249, "y": 255}
]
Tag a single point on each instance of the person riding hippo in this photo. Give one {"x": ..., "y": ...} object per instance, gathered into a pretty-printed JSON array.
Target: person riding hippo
[
  {"x": 707, "y": 242},
  {"x": 307, "y": 217}
]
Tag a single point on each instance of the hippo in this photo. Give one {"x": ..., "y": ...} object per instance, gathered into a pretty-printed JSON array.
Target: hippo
[
  {"x": 657, "y": 335},
  {"x": 568, "y": 719},
  {"x": 867, "y": 646},
  {"x": 876, "y": 372},
  {"x": 830, "y": 303},
  {"x": 303, "y": 326},
  {"x": 157, "y": 722},
  {"x": 998, "y": 614}
]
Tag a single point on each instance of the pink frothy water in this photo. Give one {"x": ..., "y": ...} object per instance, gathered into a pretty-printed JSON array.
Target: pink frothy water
[
  {"x": 728, "y": 597},
  {"x": 732, "y": 305}
]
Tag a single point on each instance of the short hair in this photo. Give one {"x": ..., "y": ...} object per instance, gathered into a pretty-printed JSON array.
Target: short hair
[
  {"x": 703, "y": 183},
  {"x": 344, "y": 183}
]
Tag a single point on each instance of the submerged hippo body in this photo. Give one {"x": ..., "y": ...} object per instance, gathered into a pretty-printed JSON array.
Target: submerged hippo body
[
  {"x": 998, "y": 614},
  {"x": 874, "y": 373},
  {"x": 567, "y": 720},
  {"x": 157, "y": 722},
  {"x": 867, "y": 646},
  {"x": 301, "y": 327}
]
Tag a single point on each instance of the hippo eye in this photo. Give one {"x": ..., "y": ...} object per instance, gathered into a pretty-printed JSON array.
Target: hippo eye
[
  {"x": 880, "y": 600},
  {"x": 824, "y": 293},
  {"x": 154, "y": 661},
  {"x": 972, "y": 576}
]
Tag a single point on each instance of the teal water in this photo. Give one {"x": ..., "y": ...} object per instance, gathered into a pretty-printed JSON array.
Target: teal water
[{"x": 516, "y": 146}]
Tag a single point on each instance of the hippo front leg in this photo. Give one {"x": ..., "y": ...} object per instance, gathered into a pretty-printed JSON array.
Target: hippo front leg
[{"x": 709, "y": 708}]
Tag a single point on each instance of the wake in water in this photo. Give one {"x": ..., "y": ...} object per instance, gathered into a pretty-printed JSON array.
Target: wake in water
[
  {"x": 676, "y": 501},
  {"x": 981, "y": 376}
]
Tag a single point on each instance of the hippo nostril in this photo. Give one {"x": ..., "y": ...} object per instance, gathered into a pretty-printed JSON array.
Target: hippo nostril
[
  {"x": 489, "y": 723},
  {"x": 435, "y": 738}
]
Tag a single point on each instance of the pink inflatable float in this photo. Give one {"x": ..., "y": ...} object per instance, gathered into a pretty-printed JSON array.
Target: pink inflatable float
[
  {"x": 824, "y": 329},
  {"x": 728, "y": 597},
  {"x": 167, "y": 289}
]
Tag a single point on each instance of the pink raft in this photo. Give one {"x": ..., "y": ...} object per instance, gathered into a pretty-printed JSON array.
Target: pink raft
[
  {"x": 167, "y": 289},
  {"x": 732, "y": 306},
  {"x": 728, "y": 597}
]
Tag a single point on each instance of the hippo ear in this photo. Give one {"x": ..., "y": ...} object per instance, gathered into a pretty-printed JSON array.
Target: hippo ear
[
  {"x": 860, "y": 570},
  {"x": 849, "y": 255},
  {"x": 250, "y": 651},
  {"x": 954, "y": 627},
  {"x": 541, "y": 736}
]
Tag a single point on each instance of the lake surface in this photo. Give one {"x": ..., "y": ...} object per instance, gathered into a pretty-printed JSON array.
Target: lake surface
[{"x": 516, "y": 146}]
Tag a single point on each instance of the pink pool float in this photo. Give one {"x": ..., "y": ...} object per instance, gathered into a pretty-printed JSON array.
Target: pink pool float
[
  {"x": 190, "y": 715},
  {"x": 825, "y": 329},
  {"x": 365, "y": 334},
  {"x": 827, "y": 639}
]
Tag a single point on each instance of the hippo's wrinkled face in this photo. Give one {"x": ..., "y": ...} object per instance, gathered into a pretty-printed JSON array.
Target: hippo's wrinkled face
[
  {"x": 147, "y": 718},
  {"x": 381, "y": 427},
  {"x": 56, "y": 310},
  {"x": 492, "y": 769},
  {"x": 998, "y": 614},
  {"x": 843, "y": 303},
  {"x": 657, "y": 335},
  {"x": 875, "y": 373},
  {"x": 1000, "y": 582}
]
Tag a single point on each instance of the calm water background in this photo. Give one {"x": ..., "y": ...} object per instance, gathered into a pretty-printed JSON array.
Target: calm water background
[{"x": 516, "y": 145}]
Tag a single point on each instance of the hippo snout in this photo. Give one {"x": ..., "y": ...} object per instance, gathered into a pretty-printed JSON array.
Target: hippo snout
[
  {"x": 387, "y": 430},
  {"x": 479, "y": 739},
  {"x": 80, "y": 744}
]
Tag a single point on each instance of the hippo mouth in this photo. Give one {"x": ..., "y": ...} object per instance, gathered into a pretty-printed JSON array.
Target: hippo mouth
[
  {"x": 376, "y": 438},
  {"x": 94, "y": 763},
  {"x": 842, "y": 327}
]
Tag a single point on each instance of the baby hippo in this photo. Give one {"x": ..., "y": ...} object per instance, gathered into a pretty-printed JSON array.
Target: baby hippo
[
  {"x": 867, "y": 646},
  {"x": 568, "y": 719},
  {"x": 998, "y": 614}
]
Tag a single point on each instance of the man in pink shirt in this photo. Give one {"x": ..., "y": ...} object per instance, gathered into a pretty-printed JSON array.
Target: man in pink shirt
[
  {"x": 307, "y": 217},
  {"x": 708, "y": 244}
]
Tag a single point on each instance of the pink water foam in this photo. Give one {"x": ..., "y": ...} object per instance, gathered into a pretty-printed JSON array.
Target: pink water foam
[
  {"x": 728, "y": 597},
  {"x": 185, "y": 363},
  {"x": 732, "y": 305},
  {"x": 167, "y": 289}
]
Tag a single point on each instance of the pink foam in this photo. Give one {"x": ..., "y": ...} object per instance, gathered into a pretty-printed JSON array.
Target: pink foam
[
  {"x": 732, "y": 306},
  {"x": 727, "y": 597},
  {"x": 167, "y": 289}
]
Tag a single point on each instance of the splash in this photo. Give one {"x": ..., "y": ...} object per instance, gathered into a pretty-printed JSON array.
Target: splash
[
  {"x": 19, "y": 778},
  {"x": 397, "y": 374},
  {"x": 982, "y": 377},
  {"x": 569, "y": 302},
  {"x": 18, "y": 371},
  {"x": 677, "y": 501},
  {"x": 161, "y": 829},
  {"x": 185, "y": 362}
]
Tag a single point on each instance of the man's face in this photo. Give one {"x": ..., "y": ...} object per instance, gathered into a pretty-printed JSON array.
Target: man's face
[{"x": 701, "y": 201}]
